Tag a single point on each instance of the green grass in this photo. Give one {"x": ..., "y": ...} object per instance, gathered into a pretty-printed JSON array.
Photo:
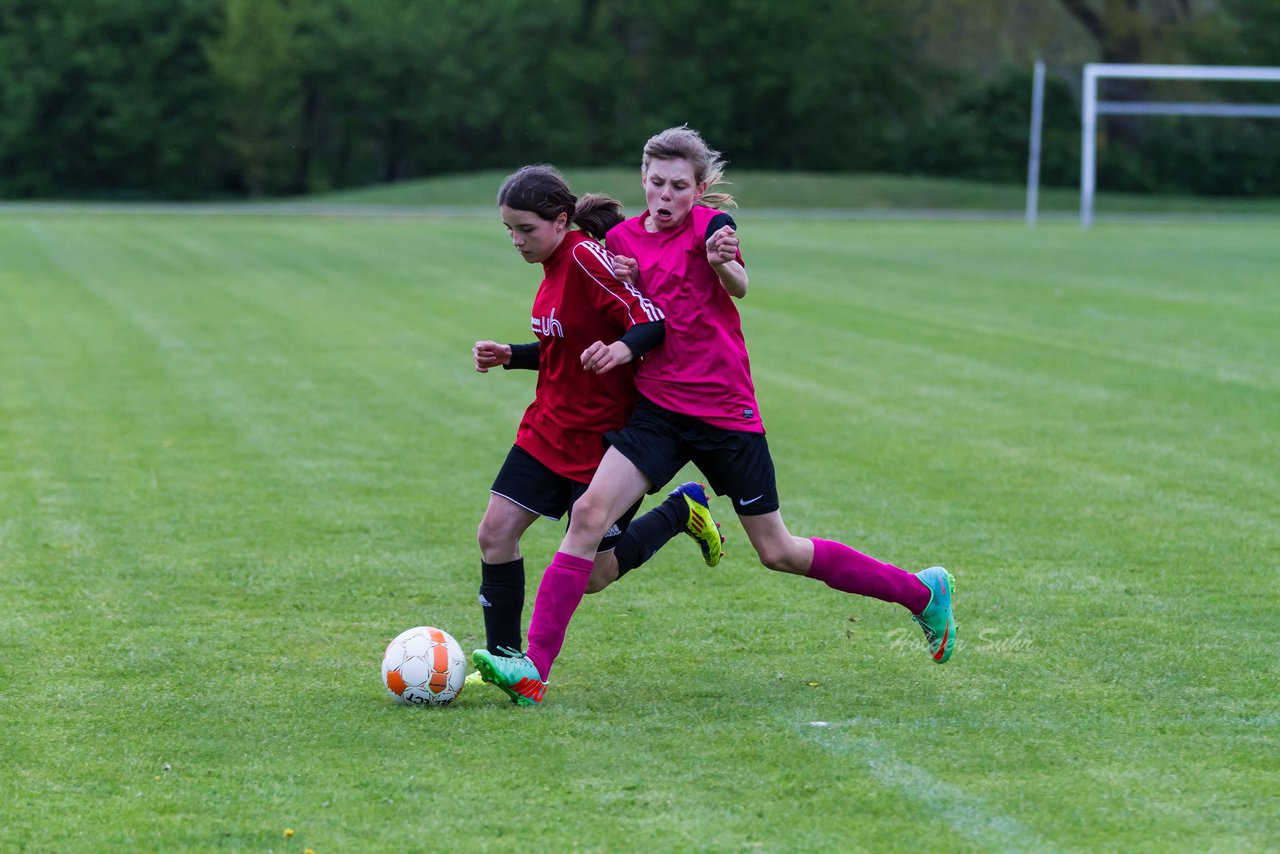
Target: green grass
[
  {"x": 238, "y": 454},
  {"x": 811, "y": 190}
]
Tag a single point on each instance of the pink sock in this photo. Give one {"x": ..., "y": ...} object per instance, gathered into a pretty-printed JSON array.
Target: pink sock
[
  {"x": 559, "y": 592},
  {"x": 842, "y": 568}
]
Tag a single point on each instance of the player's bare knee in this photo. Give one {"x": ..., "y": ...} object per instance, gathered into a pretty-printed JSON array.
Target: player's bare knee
[
  {"x": 493, "y": 538},
  {"x": 780, "y": 558},
  {"x": 590, "y": 516},
  {"x": 485, "y": 536},
  {"x": 772, "y": 559},
  {"x": 600, "y": 580}
]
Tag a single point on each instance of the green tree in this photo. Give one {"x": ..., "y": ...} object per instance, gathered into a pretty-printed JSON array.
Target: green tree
[
  {"x": 105, "y": 97},
  {"x": 1137, "y": 30},
  {"x": 185, "y": 98},
  {"x": 984, "y": 132},
  {"x": 821, "y": 85},
  {"x": 257, "y": 65}
]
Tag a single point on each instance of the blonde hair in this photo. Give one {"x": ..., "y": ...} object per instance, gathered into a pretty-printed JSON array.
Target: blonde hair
[{"x": 685, "y": 143}]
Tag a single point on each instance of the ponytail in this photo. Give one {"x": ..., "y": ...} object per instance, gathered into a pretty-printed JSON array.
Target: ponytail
[{"x": 595, "y": 214}]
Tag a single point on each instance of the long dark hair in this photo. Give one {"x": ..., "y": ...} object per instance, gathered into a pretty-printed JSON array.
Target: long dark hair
[{"x": 542, "y": 190}]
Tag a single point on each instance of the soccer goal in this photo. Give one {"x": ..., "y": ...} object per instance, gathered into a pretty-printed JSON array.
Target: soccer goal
[{"x": 1095, "y": 71}]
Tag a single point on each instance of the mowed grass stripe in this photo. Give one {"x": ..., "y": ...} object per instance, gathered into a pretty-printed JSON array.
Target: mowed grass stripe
[
  {"x": 73, "y": 373},
  {"x": 315, "y": 500},
  {"x": 261, "y": 376},
  {"x": 979, "y": 399},
  {"x": 261, "y": 337},
  {"x": 979, "y": 386},
  {"x": 1057, "y": 288},
  {"x": 1068, "y": 418},
  {"x": 77, "y": 484},
  {"x": 253, "y": 578}
]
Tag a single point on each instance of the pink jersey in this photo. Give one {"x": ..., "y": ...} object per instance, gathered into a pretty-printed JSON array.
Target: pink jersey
[
  {"x": 578, "y": 303},
  {"x": 702, "y": 368}
]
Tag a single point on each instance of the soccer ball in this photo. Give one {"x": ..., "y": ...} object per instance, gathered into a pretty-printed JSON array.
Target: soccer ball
[{"x": 424, "y": 666}]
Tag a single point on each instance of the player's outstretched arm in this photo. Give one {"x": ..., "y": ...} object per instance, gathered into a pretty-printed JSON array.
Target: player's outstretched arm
[{"x": 490, "y": 354}]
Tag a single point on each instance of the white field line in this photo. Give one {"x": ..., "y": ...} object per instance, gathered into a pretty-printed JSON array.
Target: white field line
[{"x": 967, "y": 814}]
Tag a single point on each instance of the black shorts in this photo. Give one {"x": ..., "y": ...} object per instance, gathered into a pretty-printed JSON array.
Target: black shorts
[
  {"x": 736, "y": 463},
  {"x": 531, "y": 485}
]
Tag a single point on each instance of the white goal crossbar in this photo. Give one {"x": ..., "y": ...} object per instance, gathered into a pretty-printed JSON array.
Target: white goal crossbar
[{"x": 1095, "y": 71}]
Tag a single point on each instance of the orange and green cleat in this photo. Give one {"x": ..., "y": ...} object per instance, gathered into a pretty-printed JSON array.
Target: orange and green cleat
[
  {"x": 515, "y": 675},
  {"x": 704, "y": 529},
  {"x": 936, "y": 619}
]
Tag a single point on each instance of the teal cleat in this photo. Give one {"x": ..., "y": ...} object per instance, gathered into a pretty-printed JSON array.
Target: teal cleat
[
  {"x": 704, "y": 529},
  {"x": 516, "y": 676},
  {"x": 936, "y": 619}
]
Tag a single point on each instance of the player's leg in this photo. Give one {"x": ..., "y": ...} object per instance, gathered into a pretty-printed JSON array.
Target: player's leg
[
  {"x": 656, "y": 442},
  {"x": 523, "y": 490},
  {"x": 743, "y": 470},
  {"x": 617, "y": 485},
  {"x": 777, "y": 548},
  {"x": 927, "y": 594},
  {"x": 502, "y": 570},
  {"x": 605, "y": 570},
  {"x": 651, "y": 457},
  {"x": 685, "y": 510},
  {"x": 523, "y": 676}
]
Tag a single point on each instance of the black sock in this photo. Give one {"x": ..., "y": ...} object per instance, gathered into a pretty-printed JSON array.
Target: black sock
[
  {"x": 651, "y": 532},
  {"x": 502, "y": 600}
]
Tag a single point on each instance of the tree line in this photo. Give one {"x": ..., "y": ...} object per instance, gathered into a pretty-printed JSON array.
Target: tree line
[{"x": 226, "y": 98}]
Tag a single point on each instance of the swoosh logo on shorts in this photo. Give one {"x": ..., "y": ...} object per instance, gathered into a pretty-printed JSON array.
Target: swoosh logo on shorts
[{"x": 743, "y": 502}]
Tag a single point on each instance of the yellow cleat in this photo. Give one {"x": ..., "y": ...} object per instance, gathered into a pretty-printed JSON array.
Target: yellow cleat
[{"x": 704, "y": 529}]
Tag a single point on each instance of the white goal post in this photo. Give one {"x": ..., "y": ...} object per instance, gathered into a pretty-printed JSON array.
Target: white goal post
[{"x": 1092, "y": 108}]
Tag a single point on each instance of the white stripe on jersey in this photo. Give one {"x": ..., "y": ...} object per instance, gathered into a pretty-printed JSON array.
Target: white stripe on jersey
[{"x": 652, "y": 312}]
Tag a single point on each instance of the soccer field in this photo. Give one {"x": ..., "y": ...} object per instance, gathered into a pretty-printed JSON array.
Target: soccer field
[{"x": 238, "y": 454}]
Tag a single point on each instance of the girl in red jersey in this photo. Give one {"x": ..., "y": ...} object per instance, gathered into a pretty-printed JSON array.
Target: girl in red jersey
[
  {"x": 580, "y": 304},
  {"x": 697, "y": 404}
]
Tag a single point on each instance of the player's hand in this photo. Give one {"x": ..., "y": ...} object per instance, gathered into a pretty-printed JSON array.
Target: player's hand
[
  {"x": 600, "y": 358},
  {"x": 626, "y": 269},
  {"x": 490, "y": 354},
  {"x": 722, "y": 246}
]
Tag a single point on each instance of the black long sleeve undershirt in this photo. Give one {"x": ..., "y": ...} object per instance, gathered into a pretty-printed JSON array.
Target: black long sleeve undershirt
[
  {"x": 644, "y": 337},
  {"x": 640, "y": 339},
  {"x": 718, "y": 222},
  {"x": 524, "y": 357}
]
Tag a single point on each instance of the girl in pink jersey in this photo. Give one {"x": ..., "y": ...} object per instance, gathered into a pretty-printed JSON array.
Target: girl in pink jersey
[
  {"x": 579, "y": 305},
  {"x": 698, "y": 404}
]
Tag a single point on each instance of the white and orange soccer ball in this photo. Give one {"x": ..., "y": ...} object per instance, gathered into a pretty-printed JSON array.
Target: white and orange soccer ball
[{"x": 424, "y": 666}]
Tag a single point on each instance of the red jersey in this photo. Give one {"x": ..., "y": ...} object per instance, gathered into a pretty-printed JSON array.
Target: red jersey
[
  {"x": 702, "y": 369},
  {"x": 579, "y": 303}
]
